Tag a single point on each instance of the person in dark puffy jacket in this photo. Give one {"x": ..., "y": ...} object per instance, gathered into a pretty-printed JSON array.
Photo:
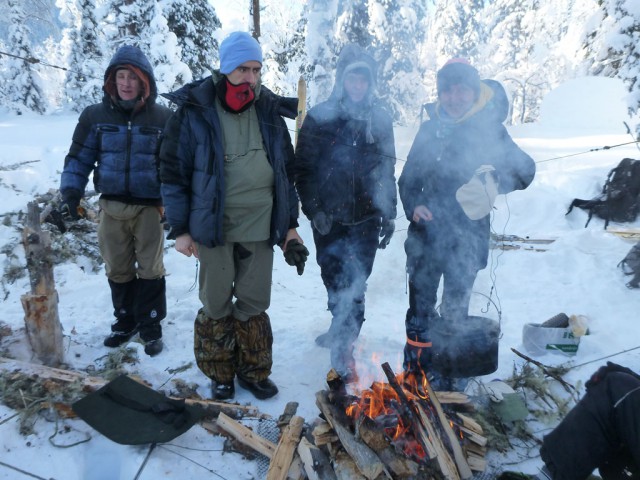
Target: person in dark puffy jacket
[
  {"x": 229, "y": 196},
  {"x": 345, "y": 162},
  {"x": 461, "y": 158},
  {"x": 118, "y": 140},
  {"x": 601, "y": 432}
]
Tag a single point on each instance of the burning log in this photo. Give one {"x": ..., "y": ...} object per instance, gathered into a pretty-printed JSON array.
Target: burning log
[
  {"x": 364, "y": 457},
  {"x": 373, "y": 435}
]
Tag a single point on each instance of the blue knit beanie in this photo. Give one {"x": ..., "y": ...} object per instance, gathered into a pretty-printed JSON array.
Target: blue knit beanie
[{"x": 237, "y": 48}]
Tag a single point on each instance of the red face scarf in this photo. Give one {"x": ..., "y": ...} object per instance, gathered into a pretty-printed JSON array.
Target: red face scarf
[{"x": 238, "y": 96}]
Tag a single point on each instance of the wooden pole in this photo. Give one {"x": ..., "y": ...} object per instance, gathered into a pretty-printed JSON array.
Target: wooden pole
[{"x": 41, "y": 304}]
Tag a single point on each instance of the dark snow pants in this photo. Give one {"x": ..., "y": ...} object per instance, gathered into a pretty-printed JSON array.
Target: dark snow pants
[
  {"x": 345, "y": 256},
  {"x": 602, "y": 431},
  {"x": 426, "y": 265}
]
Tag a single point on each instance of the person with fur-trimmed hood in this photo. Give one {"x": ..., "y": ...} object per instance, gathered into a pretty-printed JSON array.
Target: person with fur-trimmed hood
[
  {"x": 461, "y": 158},
  {"x": 228, "y": 190},
  {"x": 345, "y": 162},
  {"x": 118, "y": 140}
]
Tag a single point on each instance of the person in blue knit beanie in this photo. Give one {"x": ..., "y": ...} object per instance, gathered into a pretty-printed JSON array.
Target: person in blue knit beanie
[{"x": 229, "y": 200}]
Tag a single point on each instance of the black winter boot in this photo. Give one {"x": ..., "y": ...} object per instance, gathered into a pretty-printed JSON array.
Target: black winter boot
[
  {"x": 150, "y": 309},
  {"x": 125, "y": 326}
]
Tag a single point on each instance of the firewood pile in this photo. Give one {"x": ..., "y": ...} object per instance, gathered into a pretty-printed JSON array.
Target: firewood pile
[{"x": 395, "y": 430}]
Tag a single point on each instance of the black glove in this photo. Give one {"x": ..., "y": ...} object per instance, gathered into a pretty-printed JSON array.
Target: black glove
[
  {"x": 296, "y": 254},
  {"x": 69, "y": 208},
  {"x": 386, "y": 232},
  {"x": 322, "y": 223}
]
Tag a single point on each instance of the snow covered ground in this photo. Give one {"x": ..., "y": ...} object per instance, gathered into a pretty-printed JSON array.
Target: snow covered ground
[{"x": 577, "y": 274}]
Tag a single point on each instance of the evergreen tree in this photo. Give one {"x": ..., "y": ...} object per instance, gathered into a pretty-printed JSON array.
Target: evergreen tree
[
  {"x": 353, "y": 23},
  {"x": 194, "y": 23},
  {"x": 132, "y": 18},
  {"x": 320, "y": 47},
  {"x": 396, "y": 32},
  {"x": 164, "y": 55},
  {"x": 283, "y": 44},
  {"x": 23, "y": 90},
  {"x": 87, "y": 62},
  {"x": 618, "y": 53}
]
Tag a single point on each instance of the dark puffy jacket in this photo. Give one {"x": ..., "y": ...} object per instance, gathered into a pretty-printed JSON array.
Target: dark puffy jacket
[
  {"x": 122, "y": 146},
  {"x": 192, "y": 163},
  {"x": 444, "y": 156},
  {"x": 338, "y": 171}
]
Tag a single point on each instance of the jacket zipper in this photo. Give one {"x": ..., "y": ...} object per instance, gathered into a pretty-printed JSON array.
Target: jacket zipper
[{"x": 127, "y": 166}]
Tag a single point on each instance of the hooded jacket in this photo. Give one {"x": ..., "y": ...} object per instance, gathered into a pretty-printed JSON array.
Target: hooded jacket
[
  {"x": 119, "y": 145},
  {"x": 345, "y": 156},
  {"x": 444, "y": 156},
  {"x": 192, "y": 163}
]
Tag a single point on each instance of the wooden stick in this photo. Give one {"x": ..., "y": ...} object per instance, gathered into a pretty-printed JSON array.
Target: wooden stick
[
  {"x": 546, "y": 370},
  {"x": 442, "y": 456},
  {"x": 458, "y": 454},
  {"x": 407, "y": 413},
  {"x": 283, "y": 456},
  {"x": 246, "y": 436}
]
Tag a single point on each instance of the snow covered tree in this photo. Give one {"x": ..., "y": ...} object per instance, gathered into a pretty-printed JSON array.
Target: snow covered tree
[
  {"x": 320, "y": 47},
  {"x": 456, "y": 29},
  {"x": 195, "y": 23},
  {"x": 617, "y": 54},
  {"x": 21, "y": 81},
  {"x": 132, "y": 18},
  {"x": 395, "y": 27},
  {"x": 283, "y": 44},
  {"x": 87, "y": 61},
  {"x": 164, "y": 55},
  {"x": 353, "y": 23}
]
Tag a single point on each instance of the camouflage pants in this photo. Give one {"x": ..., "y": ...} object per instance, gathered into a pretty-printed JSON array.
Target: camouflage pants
[{"x": 227, "y": 347}]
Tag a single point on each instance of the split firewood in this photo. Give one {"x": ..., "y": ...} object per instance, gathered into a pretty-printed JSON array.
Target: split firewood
[
  {"x": 476, "y": 463},
  {"x": 345, "y": 467},
  {"x": 323, "y": 433},
  {"x": 246, "y": 436},
  {"x": 373, "y": 435},
  {"x": 283, "y": 456},
  {"x": 91, "y": 384},
  {"x": 317, "y": 465},
  {"x": 437, "y": 449},
  {"x": 458, "y": 454},
  {"x": 473, "y": 436},
  {"x": 470, "y": 423},
  {"x": 290, "y": 410},
  {"x": 364, "y": 457}
]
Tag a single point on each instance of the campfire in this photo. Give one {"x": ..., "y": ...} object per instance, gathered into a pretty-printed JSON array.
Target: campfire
[{"x": 400, "y": 429}]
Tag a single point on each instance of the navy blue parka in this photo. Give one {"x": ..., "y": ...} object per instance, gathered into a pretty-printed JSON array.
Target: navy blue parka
[
  {"x": 192, "y": 163},
  {"x": 119, "y": 146}
]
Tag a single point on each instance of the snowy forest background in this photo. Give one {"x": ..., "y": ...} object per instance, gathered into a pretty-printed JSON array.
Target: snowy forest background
[{"x": 54, "y": 52}]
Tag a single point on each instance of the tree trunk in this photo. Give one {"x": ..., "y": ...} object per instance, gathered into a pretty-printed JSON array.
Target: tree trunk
[{"x": 41, "y": 304}]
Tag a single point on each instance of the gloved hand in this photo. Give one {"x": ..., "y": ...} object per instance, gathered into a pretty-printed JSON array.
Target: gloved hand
[
  {"x": 69, "y": 208},
  {"x": 386, "y": 232},
  {"x": 296, "y": 254},
  {"x": 322, "y": 223}
]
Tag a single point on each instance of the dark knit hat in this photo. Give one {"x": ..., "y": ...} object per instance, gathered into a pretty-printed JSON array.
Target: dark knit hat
[{"x": 458, "y": 71}]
